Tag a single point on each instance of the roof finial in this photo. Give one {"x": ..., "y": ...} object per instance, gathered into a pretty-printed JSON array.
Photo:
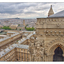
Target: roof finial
[{"x": 50, "y": 11}]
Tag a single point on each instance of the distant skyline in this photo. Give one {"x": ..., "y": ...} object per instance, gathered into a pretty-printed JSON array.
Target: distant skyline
[{"x": 28, "y": 9}]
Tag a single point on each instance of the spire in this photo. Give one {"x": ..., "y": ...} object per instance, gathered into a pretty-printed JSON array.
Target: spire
[
  {"x": 50, "y": 11},
  {"x": 51, "y": 6}
]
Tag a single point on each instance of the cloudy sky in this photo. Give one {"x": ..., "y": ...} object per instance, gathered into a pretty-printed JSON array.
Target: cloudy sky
[{"x": 28, "y": 9}]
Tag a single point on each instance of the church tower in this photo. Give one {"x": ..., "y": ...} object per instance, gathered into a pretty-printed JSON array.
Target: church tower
[
  {"x": 50, "y": 11},
  {"x": 24, "y": 22}
]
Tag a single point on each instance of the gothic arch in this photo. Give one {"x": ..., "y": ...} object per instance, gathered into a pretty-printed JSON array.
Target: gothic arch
[
  {"x": 54, "y": 46},
  {"x": 51, "y": 49},
  {"x": 58, "y": 56}
]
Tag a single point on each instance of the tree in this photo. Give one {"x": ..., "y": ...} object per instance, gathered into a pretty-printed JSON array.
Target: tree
[
  {"x": 6, "y": 28},
  {"x": 27, "y": 25},
  {"x": 30, "y": 29},
  {"x": 18, "y": 24},
  {"x": 19, "y": 29}
]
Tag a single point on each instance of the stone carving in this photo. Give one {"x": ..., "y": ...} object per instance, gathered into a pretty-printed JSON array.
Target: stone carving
[
  {"x": 42, "y": 23},
  {"x": 54, "y": 33},
  {"x": 58, "y": 25},
  {"x": 54, "y": 41}
]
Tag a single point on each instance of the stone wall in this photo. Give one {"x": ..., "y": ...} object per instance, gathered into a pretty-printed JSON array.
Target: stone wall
[
  {"x": 17, "y": 54},
  {"x": 22, "y": 54},
  {"x": 49, "y": 33}
]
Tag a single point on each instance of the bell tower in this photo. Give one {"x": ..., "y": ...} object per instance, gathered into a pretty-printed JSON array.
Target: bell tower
[
  {"x": 24, "y": 22},
  {"x": 50, "y": 11}
]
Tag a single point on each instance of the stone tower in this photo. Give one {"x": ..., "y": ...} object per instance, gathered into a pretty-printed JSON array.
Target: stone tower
[
  {"x": 50, "y": 11},
  {"x": 24, "y": 22}
]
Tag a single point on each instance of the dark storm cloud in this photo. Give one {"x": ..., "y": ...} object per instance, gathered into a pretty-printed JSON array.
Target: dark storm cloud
[
  {"x": 9, "y": 8},
  {"x": 20, "y": 7},
  {"x": 14, "y": 8}
]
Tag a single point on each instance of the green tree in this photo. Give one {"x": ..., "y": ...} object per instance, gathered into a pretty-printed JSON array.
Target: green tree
[
  {"x": 19, "y": 29},
  {"x": 30, "y": 29},
  {"x": 18, "y": 24},
  {"x": 27, "y": 25},
  {"x": 6, "y": 28}
]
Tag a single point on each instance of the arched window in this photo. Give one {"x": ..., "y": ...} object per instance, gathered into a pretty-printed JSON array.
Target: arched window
[{"x": 58, "y": 54}]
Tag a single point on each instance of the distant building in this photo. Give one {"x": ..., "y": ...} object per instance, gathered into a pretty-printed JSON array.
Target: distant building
[
  {"x": 13, "y": 26},
  {"x": 24, "y": 23},
  {"x": 1, "y": 30},
  {"x": 29, "y": 26},
  {"x": 1, "y": 26},
  {"x": 21, "y": 26},
  {"x": 7, "y": 21}
]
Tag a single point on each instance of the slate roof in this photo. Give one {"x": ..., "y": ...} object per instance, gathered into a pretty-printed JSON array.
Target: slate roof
[
  {"x": 59, "y": 14},
  {"x": 8, "y": 49}
]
